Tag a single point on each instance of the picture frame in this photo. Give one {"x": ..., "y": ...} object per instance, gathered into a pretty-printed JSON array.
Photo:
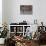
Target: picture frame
[{"x": 26, "y": 9}]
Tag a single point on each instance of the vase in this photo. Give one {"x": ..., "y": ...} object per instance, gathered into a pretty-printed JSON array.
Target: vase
[{"x": 2, "y": 40}]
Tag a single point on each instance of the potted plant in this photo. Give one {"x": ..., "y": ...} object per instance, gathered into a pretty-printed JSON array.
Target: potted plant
[{"x": 3, "y": 34}]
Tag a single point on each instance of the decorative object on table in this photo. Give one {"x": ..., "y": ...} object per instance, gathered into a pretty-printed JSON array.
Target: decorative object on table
[
  {"x": 41, "y": 28},
  {"x": 28, "y": 33},
  {"x": 42, "y": 23},
  {"x": 23, "y": 23},
  {"x": 33, "y": 33},
  {"x": 35, "y": 21}
]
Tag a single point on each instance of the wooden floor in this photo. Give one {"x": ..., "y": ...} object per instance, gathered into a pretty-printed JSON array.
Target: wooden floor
[
  {"x": 42, "y": 45},
  {"x": 32, "y": 45}
]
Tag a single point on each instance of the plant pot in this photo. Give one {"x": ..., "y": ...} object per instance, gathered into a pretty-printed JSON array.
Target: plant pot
[{"x": 2, "y": 40}]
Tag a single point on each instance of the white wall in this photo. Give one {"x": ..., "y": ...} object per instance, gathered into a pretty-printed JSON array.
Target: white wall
[
  {"x": 4, "y": 11},
  {"x": 16, "y": 11},
  {"x": 12, "y": 11},
  {"x": 0, "y": 13}
]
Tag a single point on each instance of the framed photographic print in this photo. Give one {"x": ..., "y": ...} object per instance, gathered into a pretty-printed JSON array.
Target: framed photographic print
[{"x": 26, "y": 9}]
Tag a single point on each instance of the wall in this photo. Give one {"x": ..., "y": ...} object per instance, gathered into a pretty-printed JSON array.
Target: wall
[
  {"x": 4, "y": 11},
  {"x": 0, "y": 13},
  {"x": 15, "y": 14},
  {"x": 12, "y": 11}
]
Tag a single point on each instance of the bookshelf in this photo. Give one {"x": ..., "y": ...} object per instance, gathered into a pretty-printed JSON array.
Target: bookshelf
[{"x": 18, "y": 29}]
